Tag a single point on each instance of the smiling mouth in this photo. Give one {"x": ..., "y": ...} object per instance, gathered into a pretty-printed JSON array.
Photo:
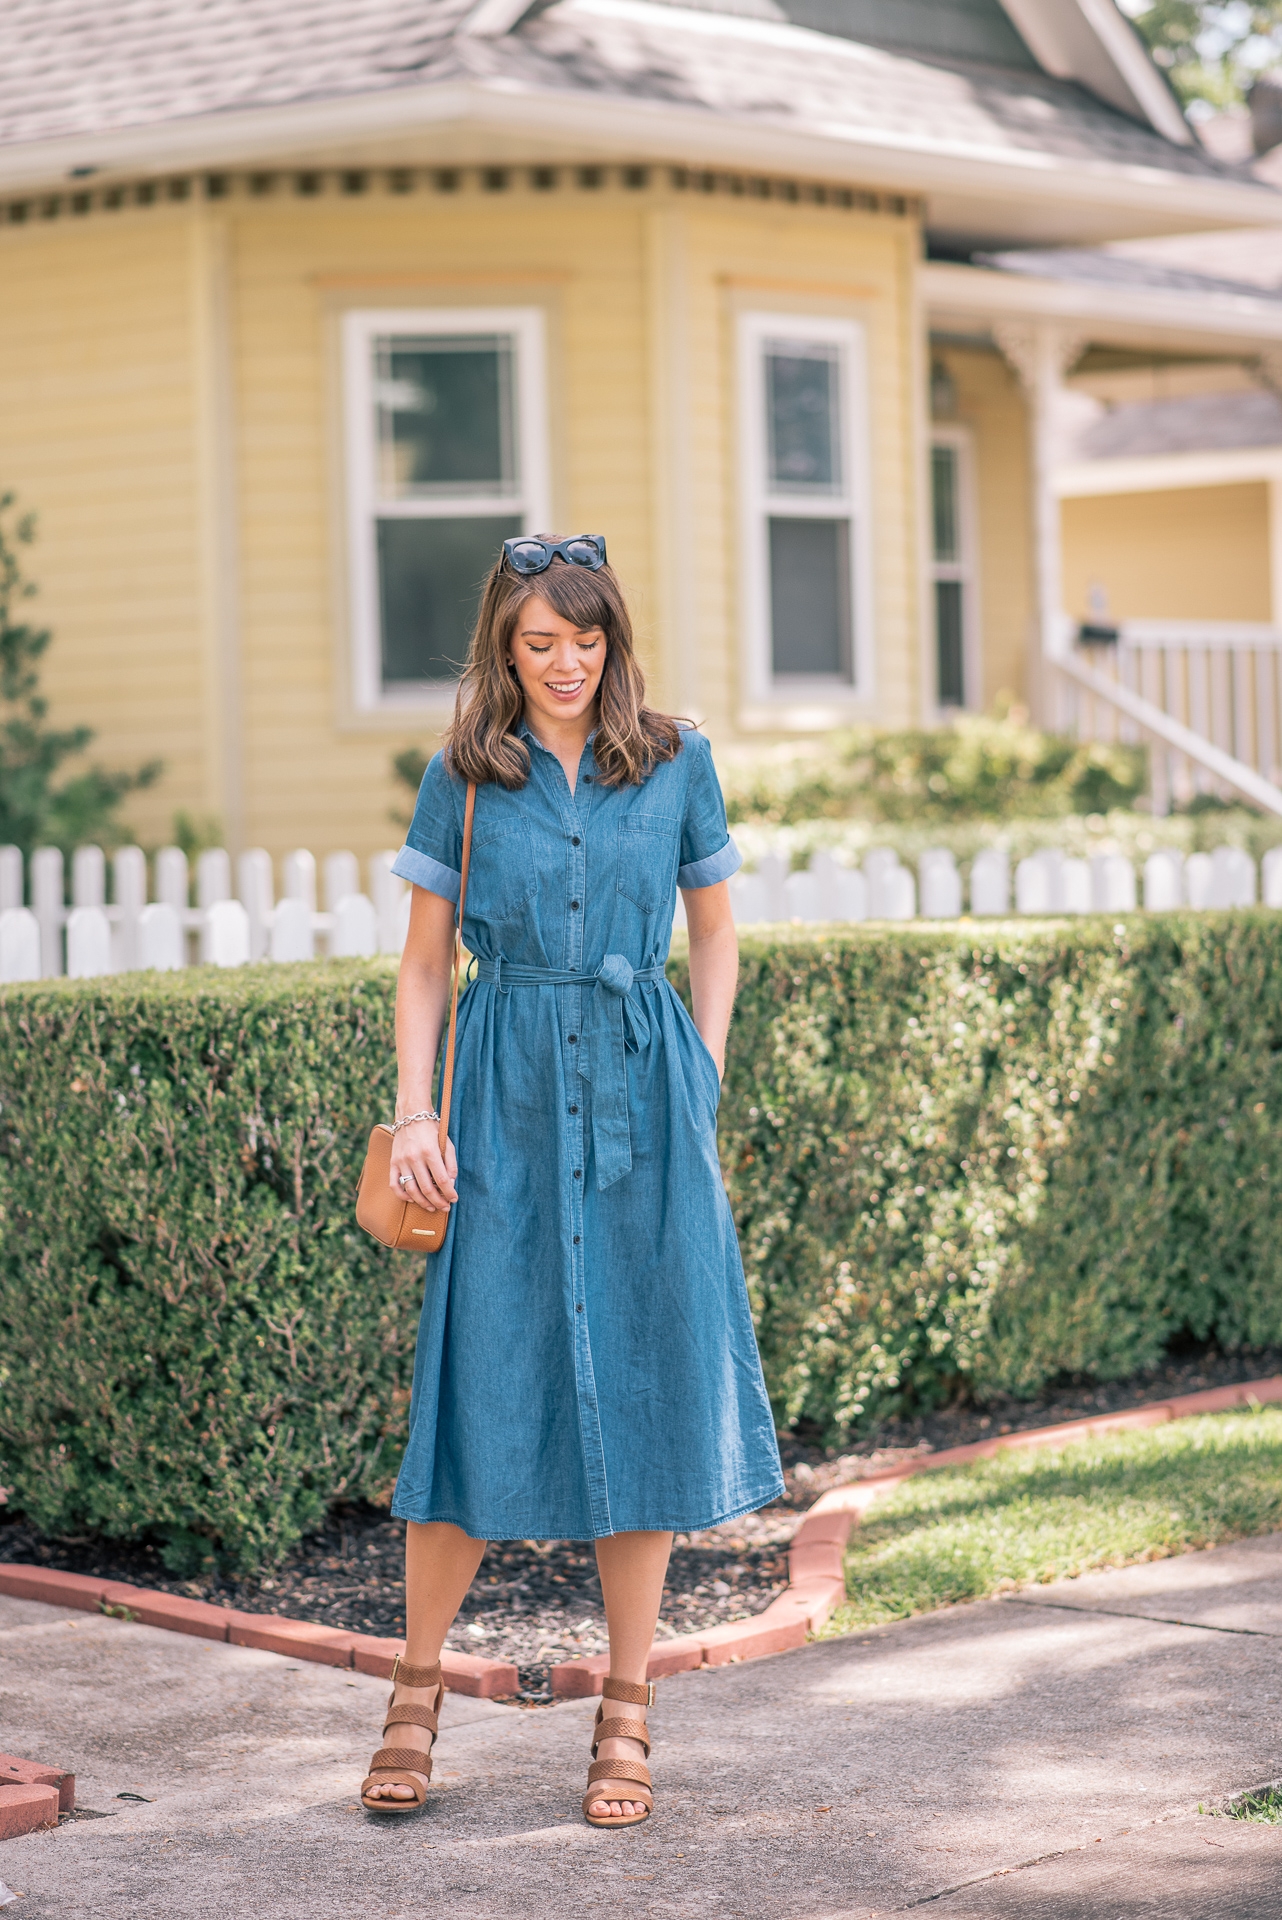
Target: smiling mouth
[{"x": 566, "y": 690}]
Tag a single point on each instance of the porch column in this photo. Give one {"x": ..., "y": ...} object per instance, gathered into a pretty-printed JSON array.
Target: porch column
[{"x": 1041, "y": 352}]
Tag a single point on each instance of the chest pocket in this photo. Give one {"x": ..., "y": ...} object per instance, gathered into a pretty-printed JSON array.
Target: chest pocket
[
  {"x": 648, "y": 859},
  {"x": 501, "y": 879}
]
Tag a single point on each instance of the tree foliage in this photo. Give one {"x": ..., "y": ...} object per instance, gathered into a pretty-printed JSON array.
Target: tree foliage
[
  {"x": 35, "y": 809},
  {"x": 1211, "y": 49}
]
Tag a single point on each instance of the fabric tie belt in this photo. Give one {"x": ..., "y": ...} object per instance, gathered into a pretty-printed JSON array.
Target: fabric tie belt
[{"x": 616, "y": 1024}]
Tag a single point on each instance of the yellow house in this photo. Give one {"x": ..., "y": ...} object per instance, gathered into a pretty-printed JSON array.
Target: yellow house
[{"x": 305, "y": 309}]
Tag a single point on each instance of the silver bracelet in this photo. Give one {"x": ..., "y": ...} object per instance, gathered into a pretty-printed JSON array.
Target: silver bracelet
[{"x": 411, "y": 1118}]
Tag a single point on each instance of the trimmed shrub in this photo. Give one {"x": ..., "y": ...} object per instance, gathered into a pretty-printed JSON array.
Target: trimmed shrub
[
  {"x": 977, "y": 1158},
  {"x": 980, "y": 767},
  {"x": 197, "y": 1342},
  {"x": 959, "y": 1160}
]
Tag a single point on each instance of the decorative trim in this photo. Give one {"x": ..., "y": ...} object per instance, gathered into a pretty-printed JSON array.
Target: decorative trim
[{"x": 347, "y": 183}]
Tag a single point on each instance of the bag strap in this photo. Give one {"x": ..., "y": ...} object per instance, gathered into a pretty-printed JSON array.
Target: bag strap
[{"x": 447, "y": 1077}]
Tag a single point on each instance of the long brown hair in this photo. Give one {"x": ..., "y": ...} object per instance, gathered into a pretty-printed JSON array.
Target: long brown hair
[{"x": 481, "y": 742}]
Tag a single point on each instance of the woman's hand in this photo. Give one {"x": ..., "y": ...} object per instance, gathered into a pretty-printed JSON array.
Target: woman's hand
[{"x": 419, "y": 1172}]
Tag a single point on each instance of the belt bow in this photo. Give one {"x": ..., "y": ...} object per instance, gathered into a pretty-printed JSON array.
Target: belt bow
[{"x": 615, "y": 1024}]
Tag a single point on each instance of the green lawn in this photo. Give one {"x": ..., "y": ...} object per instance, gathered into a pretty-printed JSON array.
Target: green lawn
[{"x": 1025, "y": 1517}]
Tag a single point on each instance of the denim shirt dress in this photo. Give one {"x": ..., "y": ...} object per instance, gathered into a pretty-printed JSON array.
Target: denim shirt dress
[{"x": 586, "y": 1361}]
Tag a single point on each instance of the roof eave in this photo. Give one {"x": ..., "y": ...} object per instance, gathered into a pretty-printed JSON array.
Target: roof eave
[
  {"x": 444, "y": 119},
  {"x": 986, "y": 294}
]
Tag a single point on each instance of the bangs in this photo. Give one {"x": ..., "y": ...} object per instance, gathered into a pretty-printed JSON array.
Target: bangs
[{"x": 584, "y": 598}]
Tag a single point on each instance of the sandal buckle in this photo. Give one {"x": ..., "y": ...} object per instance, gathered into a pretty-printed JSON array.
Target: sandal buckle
[{"x": 650, "y": 1693}]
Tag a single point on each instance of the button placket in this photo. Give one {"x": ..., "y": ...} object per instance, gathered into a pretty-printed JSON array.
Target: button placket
[{"x": 576, "y": 1139}]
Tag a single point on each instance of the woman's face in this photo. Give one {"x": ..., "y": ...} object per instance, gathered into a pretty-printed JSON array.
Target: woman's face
[{"x": 558, "y": 665}]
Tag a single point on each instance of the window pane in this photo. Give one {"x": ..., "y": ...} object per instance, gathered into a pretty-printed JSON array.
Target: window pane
[
  {"x": 804, "y": 417},
  {"x": 445, "y": 417},
  {"x": 943, "y": 476},
  {"x": 810, "y": 596},
  {"x": 949, "y": 623},
  {"x": 429, "y": 580}
]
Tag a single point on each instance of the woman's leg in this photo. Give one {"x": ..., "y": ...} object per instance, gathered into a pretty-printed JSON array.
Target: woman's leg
[
  {"x": 440, "y": 1565},
  {"x": 633, "y": 1567}
]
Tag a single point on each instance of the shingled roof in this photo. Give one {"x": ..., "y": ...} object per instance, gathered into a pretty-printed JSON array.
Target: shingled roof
[{"x": 86, "y": 67}]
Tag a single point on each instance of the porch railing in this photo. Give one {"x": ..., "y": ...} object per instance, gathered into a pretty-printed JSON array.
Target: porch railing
[{"x": 1205, "y": 696}]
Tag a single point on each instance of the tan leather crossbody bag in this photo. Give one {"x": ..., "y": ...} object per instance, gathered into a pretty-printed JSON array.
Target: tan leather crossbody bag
[{"x": 380, "y": 1209}]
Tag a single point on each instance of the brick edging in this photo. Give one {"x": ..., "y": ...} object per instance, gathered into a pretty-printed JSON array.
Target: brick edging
[
  {"x": 816, "y": 1578},
  {"x": 299, "y": 1639},
  {"x": 816, "y": 1556},
  {"x": 32, "y": 1795}
]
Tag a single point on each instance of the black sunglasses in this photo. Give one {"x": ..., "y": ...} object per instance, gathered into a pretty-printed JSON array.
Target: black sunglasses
[{"x": 525, "y": 555}]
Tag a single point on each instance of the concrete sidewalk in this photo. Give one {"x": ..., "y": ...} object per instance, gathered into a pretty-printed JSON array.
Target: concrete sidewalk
[{"x": 929, "y": 1763}]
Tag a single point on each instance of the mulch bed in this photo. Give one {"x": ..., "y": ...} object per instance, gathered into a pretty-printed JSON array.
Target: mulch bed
[{"x": 539, "y": 1602}]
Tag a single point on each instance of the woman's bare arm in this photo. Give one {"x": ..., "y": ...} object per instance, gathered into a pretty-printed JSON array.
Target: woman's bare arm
[
  {"x": 714, "y": 964},
  {"x": 422, "y": 1004}
]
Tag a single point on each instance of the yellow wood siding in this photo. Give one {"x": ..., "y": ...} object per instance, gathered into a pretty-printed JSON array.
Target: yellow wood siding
[
  {"x": 990, "y": 403},
  {"x": 97, "y": 437},
  {"x": 1187, "y": 553},
  {"x": 170, "y": 401}
]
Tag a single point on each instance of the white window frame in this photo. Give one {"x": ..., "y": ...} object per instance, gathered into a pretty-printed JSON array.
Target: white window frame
[
  {"x": 965, "y": 568},
  {"x": 759, "y": 504},
  {"x": 530, "y": 497}
]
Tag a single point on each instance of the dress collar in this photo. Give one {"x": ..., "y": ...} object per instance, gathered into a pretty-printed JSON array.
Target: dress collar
[{"x": 525, "y": 732}]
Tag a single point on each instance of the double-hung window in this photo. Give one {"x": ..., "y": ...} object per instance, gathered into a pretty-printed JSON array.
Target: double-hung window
[
  {"x": 805, "y": 533},
  {"x": 952, "y": 567},
  {"x": 446, "y": 456}
]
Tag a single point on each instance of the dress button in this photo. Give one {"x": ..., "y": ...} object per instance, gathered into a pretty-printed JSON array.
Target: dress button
[
  {"x": 578, "y": 1173},
  {"x": 579, "y": 1307},
  {"x": 572, "y": 1039},
  {"x": 575, "y": 841},
  {"x": 577, "y": 1238},
  {"x": 574, "y": 906},
  {"x": 574, "y": 1109}
]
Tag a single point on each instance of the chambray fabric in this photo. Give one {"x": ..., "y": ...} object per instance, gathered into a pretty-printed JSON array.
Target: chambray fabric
[{"x": 586, "y": 1360}]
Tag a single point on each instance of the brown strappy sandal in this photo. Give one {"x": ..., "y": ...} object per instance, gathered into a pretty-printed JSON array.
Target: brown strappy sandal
[
  {"x": 637, "y": 1696},
  {"x": 400, "y": 1766}
]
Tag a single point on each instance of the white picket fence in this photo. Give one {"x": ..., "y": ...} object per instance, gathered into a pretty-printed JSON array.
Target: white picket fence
[
  {"x": 226, "y": 927},
  {"x": 1049, "y": 882}
]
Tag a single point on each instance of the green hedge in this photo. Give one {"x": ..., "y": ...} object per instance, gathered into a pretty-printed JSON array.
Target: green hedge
[
  {"x": 980, "y": 1157},
  {"x": 967, "y": 1158},
  {"x": 196, "y": 1340}
]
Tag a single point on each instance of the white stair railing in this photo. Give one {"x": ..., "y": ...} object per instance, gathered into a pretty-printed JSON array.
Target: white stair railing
[{"x": 1206, "y": 696}]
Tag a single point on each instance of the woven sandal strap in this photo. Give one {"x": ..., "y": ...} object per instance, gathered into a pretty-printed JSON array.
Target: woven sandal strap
[
  {"x": 415, "y": 1676},
  {"x": 619, "y": 1770},
  {"x": 637, "y": 1696},
  {"x": 404, "y": 1757},
  {"x": 405, "y": 1715},
  {"x": 621, "y": 1730},
  {"x": 416, "y": 1787}
]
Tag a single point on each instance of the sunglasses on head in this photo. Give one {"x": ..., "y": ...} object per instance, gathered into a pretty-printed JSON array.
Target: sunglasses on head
[{"x": 526, "y": 555}]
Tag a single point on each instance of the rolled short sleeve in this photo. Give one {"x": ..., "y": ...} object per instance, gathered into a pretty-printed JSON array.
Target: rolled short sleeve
[
  {"x": 708, "y": 854},
  {"x": 432, "y": 856}
]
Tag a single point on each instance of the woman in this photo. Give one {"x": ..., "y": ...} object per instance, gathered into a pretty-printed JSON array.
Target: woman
[{"x": 586, "y": 1365}]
